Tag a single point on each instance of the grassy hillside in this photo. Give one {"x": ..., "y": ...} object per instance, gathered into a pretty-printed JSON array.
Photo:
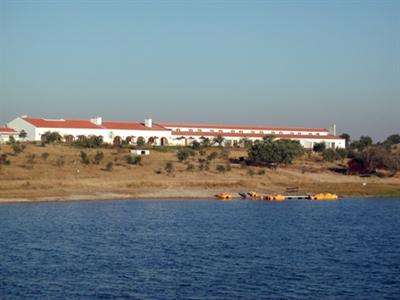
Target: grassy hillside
[{"x": 58, "y": 172}]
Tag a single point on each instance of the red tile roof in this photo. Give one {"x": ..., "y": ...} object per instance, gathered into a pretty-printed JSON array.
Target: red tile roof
[
  {"x": 131, "y": 126},
  {"x": 61, "y": 123},
  {"x": 7, "y": 130},
  {"x": 246, "y": 127},
  {"x": 252, "y": 135},
  {"x": 87, "y": 124}
]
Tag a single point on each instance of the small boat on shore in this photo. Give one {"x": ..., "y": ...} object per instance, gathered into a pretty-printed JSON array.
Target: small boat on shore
[
  {"x": 324, "y": 196},
  {"x": 275, "y": 197},
  {"x": 223, "y": 196}
]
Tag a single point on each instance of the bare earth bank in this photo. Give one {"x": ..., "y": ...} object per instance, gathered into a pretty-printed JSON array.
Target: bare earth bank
[{"x": 29, "y": 179}]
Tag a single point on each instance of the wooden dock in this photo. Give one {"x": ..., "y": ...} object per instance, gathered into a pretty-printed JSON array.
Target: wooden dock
[{"x": 291, "y": 197}]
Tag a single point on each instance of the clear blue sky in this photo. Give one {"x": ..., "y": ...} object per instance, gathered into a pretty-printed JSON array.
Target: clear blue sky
[{"x": 250, "y": 62}]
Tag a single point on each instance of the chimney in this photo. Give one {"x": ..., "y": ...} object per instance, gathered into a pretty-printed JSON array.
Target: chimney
[
  {"x": 332, "y": 130},
  {"x": 97, "y": 120},
  {"x": 148, "y": 123}
]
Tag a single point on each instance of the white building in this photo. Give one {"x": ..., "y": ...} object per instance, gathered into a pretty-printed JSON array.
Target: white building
[
  {"x": 6, "y": 133},
  {"x": 168, "y": 133}
]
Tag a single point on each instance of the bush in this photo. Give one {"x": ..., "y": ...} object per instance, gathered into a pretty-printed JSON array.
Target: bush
[
  {"x": 60, "y": 161},
  {"x": 250, "y": 172},
  {"x": 183, "y": 154},
  {"x": 30, "y": 158},
  {"x": 220, "y": 169},
  {"x": 169, "y": 167},
  {"x": 84, "y": 158},
  {"x": 4, "y": 160},
  {"x": 98, "y": 157},
  {"x": 334, "y": 154},
  {"x": 380, "y": 157},
  {"x": 190, "y": 168},
  {"x": 202, "y": 152},
  {"x": 341, "y": 153},
  {"x": 45, "y": 155},
  {"x": 133, "y": 159},
  {"x": 88, "y": 142},
  {"x": 261, "y": 172},
  {"x": 17, "y": 148},
  {"x": 213, "y": 155},
  {"x": 329, "y": 155},
  {"x": 109, "y": 166},
  {"x": 224, "y": 154}
]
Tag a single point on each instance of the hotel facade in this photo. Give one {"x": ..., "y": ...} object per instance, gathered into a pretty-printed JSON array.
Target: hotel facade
[{"x": 166, "y": 133}]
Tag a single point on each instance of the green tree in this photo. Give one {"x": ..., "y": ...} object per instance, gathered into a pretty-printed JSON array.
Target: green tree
[
  {"x": 275, "y": 151},
  {"x": 205, "y": 142},
  {"x": 347, "y": 138},
  {"x": 22, "y": 134},
  {"x": 51, "y": 137},
  {"x": 195, "y": 145},
  {"x": 218, "y": 140},
  {"x": 392, "y": 140},
  {"x": 140, "y": 141},
  {"x": 319, "y": 147}
]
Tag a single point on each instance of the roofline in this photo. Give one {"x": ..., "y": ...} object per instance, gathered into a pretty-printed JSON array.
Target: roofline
[
  {"x": 254, "y": 135},
  {"x": 255, "y": 127}
]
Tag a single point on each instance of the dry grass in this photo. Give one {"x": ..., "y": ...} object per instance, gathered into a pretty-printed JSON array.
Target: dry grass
[{"x": 45, "y": 178}]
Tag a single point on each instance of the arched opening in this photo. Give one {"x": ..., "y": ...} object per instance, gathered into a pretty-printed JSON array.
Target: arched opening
[
  {"x": 140, "y": 141},
  {"x": 69, "y": 138},
  {"x": 150, "y": 140},
  {"x": 81, "y": 138},
  {"x": 129, "y": 139},
  {"x": 164, "y": 141},
  {"x": 117, "y": 140}
]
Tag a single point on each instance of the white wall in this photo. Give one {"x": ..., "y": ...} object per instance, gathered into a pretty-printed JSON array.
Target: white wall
[
  {"x": 19, "y": 124},
  {"x": 245, "y": 131}
]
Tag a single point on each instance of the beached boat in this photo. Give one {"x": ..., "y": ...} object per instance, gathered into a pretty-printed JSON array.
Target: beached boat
[
  {"x": 324, "y": 196},
  {"x": 275, "y": 197},
  {"x": 223, "y": 196}
]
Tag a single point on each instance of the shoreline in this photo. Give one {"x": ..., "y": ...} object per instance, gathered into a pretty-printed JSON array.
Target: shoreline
[{"x": 122, "y": 197}]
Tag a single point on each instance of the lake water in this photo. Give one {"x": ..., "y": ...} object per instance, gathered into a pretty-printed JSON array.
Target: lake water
[{"x": 201, "y": 249}]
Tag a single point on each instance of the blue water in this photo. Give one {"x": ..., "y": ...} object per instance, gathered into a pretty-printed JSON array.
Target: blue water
[{"x": 202, "y": 249}]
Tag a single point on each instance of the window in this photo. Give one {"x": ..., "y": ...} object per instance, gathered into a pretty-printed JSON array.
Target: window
[
  {"x": 280, "y": 132},
  {"x": 220, "y": 131},
  {"x": 317, "y": 133},
  {"x": 261, "y": 132},
  {"x": 299, "y": 133},
  {"x": 291, "y": 132},
  {"x": 240, "y": 131},
  {"x": 211, "y": 130},
  {"x": 198, "y": 130},
  {"x": 253, "y": 131},
  {"x": 310, "y": 133},
  {"x": 232, "y": 131},
  {"x": 272, "y": 132},
  {"x": 190, "y": 130},
  {"x": 177, "y": 129}
]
